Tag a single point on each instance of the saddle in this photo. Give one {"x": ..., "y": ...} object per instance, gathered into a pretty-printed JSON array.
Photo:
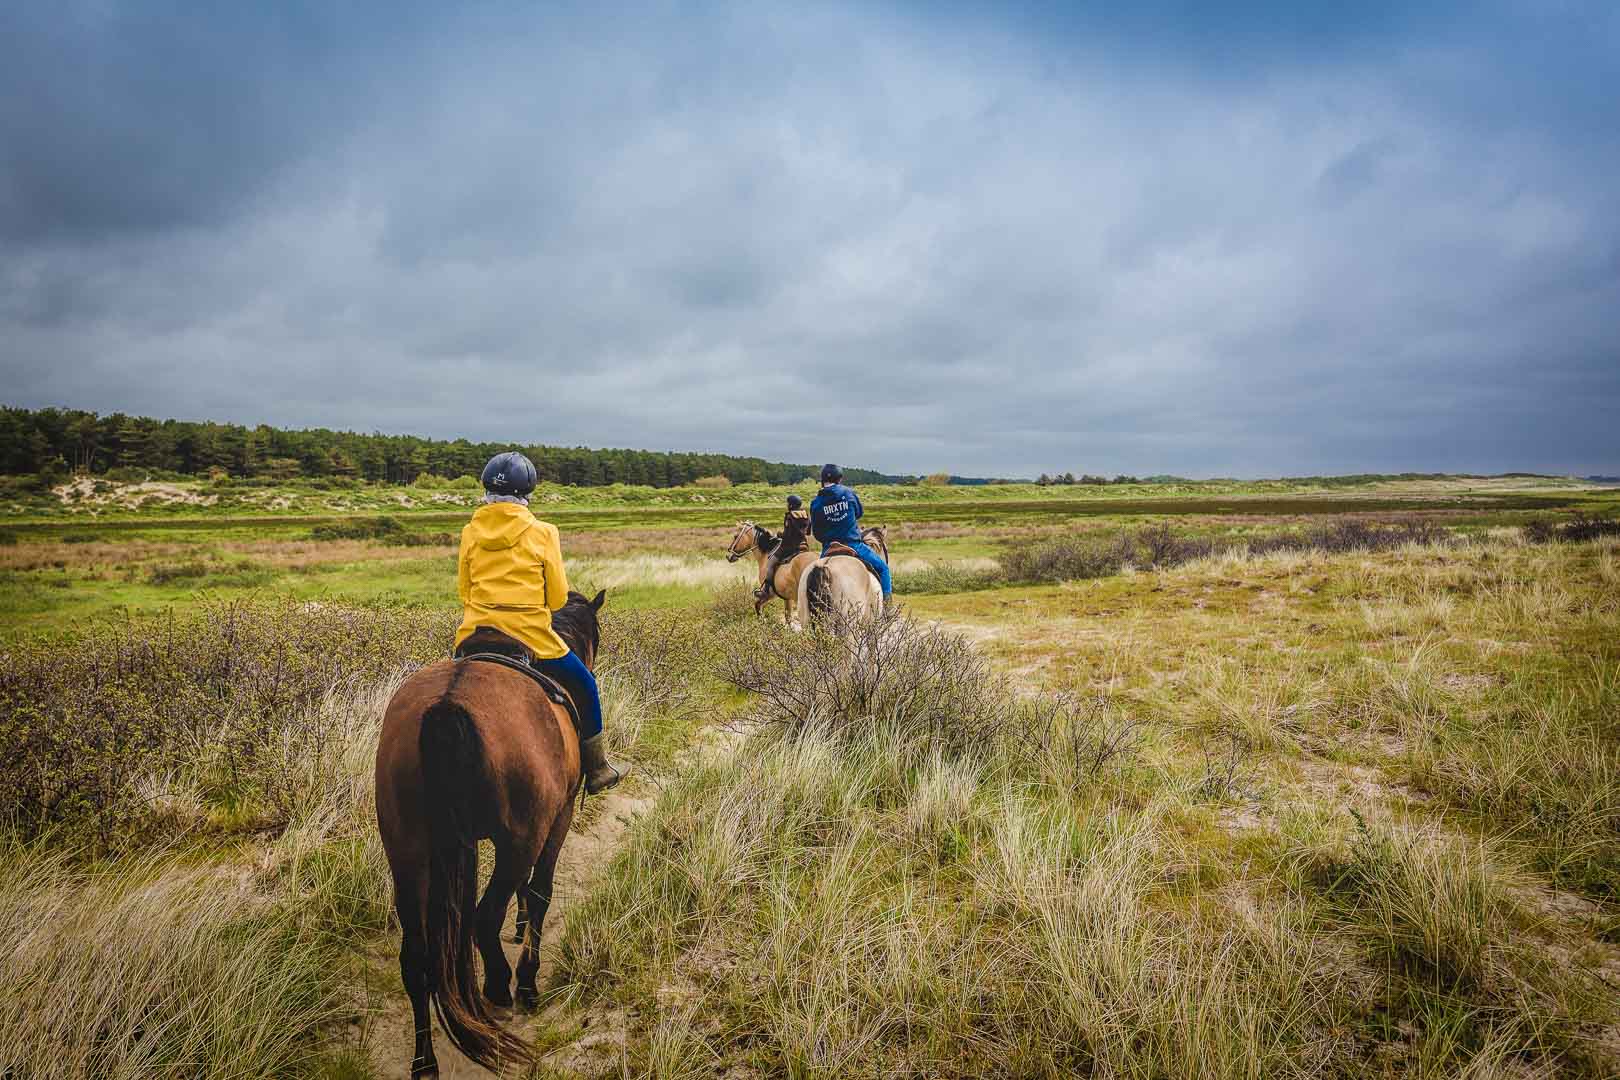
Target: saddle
[
  {"x": 489, "y": 646},
  {"x": 840, "y": 548}
]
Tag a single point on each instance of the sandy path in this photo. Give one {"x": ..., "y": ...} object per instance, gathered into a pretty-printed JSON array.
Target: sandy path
[{"x": 387, "y": 1036}]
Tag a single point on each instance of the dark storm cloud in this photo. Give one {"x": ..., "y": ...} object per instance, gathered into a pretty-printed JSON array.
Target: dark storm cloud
[{"x": 1263, "y": 242}]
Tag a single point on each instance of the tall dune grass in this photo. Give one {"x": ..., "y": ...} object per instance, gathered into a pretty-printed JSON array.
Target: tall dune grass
[{"x": 161, "y": 967}]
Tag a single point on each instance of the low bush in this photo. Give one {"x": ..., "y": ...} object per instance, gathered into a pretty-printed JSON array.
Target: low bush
[
  {"x": 9, "y": 538},
  {"x": 1066, "y": 558},
  {"x": 170, "y": 573},
  {"x": 384, "y": 529},
  {"x": 24, "y": 484},
  {"x": 1079, "y": 557},
  {"x": 946, "y": 578},
  {"x": 376, "y": 528},
  {"x": 87, "y": 728},
  {"x": 1580, "y": 529},
  {"x": 927, "y": 689},
  {"x": 1344, "y": 537},
  {"x": 409, "y": 539}
]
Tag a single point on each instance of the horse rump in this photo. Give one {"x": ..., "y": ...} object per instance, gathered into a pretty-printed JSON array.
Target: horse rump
[{"x": 452, "y": 757}]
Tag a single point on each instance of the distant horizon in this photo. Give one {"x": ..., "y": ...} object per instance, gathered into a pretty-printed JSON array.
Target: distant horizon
[{"x": 1051, "y": 471}]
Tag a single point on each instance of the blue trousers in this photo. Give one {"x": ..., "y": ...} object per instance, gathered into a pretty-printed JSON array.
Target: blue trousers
[
  {"x": 577, "y": 679},
  {"x": 872, "y": 560}
]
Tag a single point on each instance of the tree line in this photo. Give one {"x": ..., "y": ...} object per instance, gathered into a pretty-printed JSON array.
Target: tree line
[
  {"x": 47, "y": 441},
  {"x": 1048, "y": 479}
]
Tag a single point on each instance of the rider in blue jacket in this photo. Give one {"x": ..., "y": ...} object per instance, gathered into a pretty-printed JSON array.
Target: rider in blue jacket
[{"x": 834, "y": 517}]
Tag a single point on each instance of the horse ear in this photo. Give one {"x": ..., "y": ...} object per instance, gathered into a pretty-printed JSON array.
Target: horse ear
[{"x": 599, "y": 600}]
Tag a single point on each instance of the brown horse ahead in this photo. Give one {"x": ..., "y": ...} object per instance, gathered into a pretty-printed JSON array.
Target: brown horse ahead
[{"x": 473, "y": 751}]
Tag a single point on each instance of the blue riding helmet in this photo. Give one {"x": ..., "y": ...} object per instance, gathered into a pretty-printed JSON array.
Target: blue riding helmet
[
  {"x": 831, "y": 474},
  {"x": 794, "y": 502},
  {"x": 509, "y": 474}
]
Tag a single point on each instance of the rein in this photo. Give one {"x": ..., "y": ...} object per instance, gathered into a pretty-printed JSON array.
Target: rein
[{"x": 732, "y": 554}]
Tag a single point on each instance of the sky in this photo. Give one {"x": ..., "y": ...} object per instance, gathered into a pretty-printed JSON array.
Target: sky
[{"x": 1244, "y": 239}]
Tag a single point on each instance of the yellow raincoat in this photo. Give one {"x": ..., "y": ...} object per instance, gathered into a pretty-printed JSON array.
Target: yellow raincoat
[{"x": 511, "y": 577}]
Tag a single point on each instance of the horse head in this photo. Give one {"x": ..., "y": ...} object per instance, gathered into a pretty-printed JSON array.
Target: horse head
[
  {"x": 746, "y": 531},
  {"x": 577, "y": 623}
]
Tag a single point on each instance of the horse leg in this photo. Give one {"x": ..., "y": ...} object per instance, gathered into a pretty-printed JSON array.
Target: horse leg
[
  {"x": 415, "y": 968},
  {"x": 789, "y": 604},
  {"x": 503, "y": 882},
  {"x": 539, "y": 897},
  {"x": 521, "y": 922}
]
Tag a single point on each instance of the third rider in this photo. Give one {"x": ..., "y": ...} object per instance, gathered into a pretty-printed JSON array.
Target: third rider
[{"x": 835, "y": 516}]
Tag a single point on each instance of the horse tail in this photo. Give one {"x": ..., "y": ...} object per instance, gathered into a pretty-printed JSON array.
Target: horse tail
[
  {"x": 452, "y": 756},
  {"x": 818, "y": 591}
]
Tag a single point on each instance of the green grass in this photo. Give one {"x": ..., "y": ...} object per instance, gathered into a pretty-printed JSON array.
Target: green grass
[
  {"x": 1326, "y": 837},
  {"x": 625, "y": 506},
  {"x": 1291, "y": 815}
]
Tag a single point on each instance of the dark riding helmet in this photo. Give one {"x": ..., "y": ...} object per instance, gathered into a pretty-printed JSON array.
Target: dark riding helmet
[
  {"x": 794, "y": 502},
  {"x": 509, "y": 474},
  {"x": 831, "y": 474}
]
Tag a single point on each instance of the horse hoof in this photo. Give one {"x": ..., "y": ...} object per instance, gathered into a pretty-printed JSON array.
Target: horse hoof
[
  {"x": 528, "y": 998},
  {"x": 499, "y": 996}
]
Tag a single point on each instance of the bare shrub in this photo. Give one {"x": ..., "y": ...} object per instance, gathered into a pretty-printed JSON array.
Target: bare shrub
[
  {"x": 946, "y": 578},
  {"x": 1351, "y": 535},
  {"x": 208, "y": 697},
  {"x": 381, "y": 527},
  {"x": 1075, "y": 740},
  {"x": 928, "y": 690},
  {"x": 658, "y": 656},
  {"x": 1581, "y": 528},
  {"x": 1158, "y": 547},
  {"x": 1226, "y": 769},
  {"x": 732, "y": 604},
  {"x": 1066, "y": 558}
]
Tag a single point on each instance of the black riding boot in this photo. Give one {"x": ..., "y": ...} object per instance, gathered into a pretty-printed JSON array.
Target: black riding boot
[{"x": 600, "y": 773}]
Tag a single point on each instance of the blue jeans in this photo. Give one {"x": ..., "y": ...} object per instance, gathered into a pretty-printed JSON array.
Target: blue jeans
[
  {"x": 871, "y": 559},
  {"x": 577, "y": 679}
]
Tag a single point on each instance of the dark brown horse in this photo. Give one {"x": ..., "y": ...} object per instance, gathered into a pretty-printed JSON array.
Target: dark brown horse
[{"x": 472, "y": 751}]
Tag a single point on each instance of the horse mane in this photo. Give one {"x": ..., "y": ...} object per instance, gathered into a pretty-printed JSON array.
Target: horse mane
[
  {"x": 765, "y": 540},
  {"x": 576, "y": 623}
]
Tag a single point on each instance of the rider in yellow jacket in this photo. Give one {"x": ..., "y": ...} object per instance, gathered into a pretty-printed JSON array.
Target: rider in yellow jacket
[{"x": 510, "y": 577}]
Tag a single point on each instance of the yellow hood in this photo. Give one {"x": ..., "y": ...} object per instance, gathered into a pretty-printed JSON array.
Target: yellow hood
[{"x": 495, "y": 526}]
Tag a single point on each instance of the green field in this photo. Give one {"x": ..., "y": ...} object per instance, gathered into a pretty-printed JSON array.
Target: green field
[
  {"x": 1319, "y": 780},
  {"x": 91, "y": 556}
]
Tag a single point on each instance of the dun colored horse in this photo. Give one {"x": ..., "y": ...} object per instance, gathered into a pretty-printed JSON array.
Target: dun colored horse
[
  {"x": 839, "y": 588},
  {"x": 760, "y": 542},
  {"x": 472, "y": 751}
]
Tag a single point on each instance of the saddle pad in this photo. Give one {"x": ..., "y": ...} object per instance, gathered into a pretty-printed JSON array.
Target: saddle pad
[
  {"x": 553, "y": 689},
  {"x": 844, "y": 549}
]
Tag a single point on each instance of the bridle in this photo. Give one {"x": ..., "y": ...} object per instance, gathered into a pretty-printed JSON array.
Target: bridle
[{"x": 732, "y": 554}]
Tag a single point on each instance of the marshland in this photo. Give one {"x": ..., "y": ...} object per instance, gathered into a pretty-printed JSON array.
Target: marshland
[{"x": 1324, "y": 788}]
